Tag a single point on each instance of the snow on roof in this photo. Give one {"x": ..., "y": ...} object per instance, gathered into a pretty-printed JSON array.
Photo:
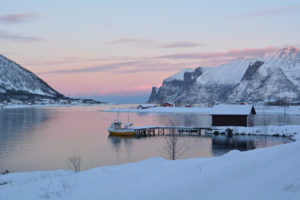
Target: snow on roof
[
  {"x": 231, "y": 109},
  {"x": 168, "y": 103},
  {"x": 146, "y": 105}
]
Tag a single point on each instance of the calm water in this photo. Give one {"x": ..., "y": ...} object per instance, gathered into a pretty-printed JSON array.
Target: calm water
[{"x": 44, "y": 138}]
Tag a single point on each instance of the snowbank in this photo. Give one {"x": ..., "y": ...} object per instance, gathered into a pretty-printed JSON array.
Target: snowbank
[
  {"x": 272, "y": 130},
  {"x": 270, "y": 173},
  {"x": 278, "y": 109}
]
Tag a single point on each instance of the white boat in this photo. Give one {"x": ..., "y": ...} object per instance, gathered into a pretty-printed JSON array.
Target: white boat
[{"x": 117, "y": 129}]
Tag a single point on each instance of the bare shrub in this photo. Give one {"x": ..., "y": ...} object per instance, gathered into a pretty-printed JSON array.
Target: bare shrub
[
  {"x": 45, "y": 192},
  {"x": 75, "y": 161},
  {"x": 173, "y": 148}
]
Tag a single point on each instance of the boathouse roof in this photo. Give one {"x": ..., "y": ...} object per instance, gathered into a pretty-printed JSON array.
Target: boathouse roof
[{"x": 233, "y": 110}]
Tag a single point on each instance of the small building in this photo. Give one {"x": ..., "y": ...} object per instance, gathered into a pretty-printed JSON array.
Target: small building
[
  {"x": 167, "y": 104},
  {"x": 233, "y": 115}
]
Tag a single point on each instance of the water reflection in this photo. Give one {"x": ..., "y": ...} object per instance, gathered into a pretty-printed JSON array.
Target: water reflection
[
  {"x": 218, "y": 144},
  {"x": 44, "y": 138},
  {"x": 241, "y": 143},
  {"x": 14, "y": 120},
  {"x": 184, "y": 119},
  {"x": 116, "y": 141},
  {"x": 276, "y": 118},
  {"x": 244, "y": 142},
  {"x": 18, "y": 124}
]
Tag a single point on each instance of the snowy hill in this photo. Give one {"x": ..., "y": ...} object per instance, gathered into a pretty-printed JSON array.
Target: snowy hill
[
  {"x": 19, "y": 83},
  {"x": 271, "y": 77}
]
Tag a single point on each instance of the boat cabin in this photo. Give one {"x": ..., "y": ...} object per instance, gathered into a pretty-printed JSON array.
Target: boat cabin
[{"x": 116, "y": 125}]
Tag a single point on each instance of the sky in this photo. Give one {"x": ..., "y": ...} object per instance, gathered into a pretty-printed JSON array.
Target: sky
[{"x": 123, "y": 48}]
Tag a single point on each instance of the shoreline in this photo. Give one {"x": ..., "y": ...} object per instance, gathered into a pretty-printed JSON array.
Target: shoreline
[
  {"x": 271, "y": 130},
  {"x": 206, "y": 110}
]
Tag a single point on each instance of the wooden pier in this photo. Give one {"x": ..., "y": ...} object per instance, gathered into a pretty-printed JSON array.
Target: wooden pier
[{"x": 165, "y": 130}]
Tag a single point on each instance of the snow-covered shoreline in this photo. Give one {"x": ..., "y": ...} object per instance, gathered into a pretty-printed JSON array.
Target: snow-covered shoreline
[
  {"x": 270, "y": 130},
  {"x": 205, "y": 110},
  {"x": 201, "y": 110},
  {"x": 267, "y": 173}
]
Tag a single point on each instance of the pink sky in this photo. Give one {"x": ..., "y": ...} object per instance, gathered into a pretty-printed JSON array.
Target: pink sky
[
  {"x": 131, "y": 76},
  {"x": 126, "y": 47}
]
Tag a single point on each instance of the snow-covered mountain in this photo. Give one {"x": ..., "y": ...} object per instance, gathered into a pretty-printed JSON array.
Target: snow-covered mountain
[
  {"x": 274, "y": 76},
  {"x": 18, "y": 83}
]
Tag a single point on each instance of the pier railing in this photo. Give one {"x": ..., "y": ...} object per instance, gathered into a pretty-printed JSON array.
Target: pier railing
[{"x": 162, "y": 130}]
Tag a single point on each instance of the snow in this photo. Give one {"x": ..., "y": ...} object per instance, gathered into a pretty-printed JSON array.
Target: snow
[
  {"x": 288, "y": 59},
  {"x": 293, "y": 110},
  {"x": 270, "y": 174},
  {"x": 179, "y": 75},
  {"x": 270, "y": 130},
  {"x": 207, "y": 110},
  {"x": 2, "y": 90},
  {"x": 14, "y": 77},
  {"x": 276, "y": 78},
  {"x": 230, "y": 73},
  {"x": 163, "y": 110},
  {"x": 231, "y": 110}
]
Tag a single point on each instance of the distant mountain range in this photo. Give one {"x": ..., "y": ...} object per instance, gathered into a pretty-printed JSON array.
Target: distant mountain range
[
  {"x": 19, "y": 85},
  {"x": 269, "y": 78}
]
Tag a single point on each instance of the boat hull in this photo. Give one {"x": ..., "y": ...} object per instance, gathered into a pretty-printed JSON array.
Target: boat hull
[{"x": 121, "y": 132}]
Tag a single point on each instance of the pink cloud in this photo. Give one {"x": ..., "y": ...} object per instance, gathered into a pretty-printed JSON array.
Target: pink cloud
[
  {"x": 274, "y": 11},
  {"x": 4, "y": 35},
  {"x": 137, "y": 76},
  {"x": 183, "y": 44},
  {"x": 132, "y": 41},
  {"x": 16, "y": 18},
  {"x": 234, "y": 53},
  {"x": 151, "y": 43}
]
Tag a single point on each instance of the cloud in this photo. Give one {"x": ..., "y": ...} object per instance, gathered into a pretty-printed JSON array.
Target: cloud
[
  {"x": 166, "y": 64},
  {"x": 151, "y": 43},
  {"x": 248, "y": 52},
  {"x": 17, "y": 18},
  {"x": 274, "y": 12},
  {"x": 182, "y": 44},
  {"x": 101, "y": 68},
  {"x": 18, "y": 38},
  {"x": 154, "y": 66},
  {"x": 132, "y": 41},
  {"x": 62, "y": 61},
  {"x": 127, "y": 67}
]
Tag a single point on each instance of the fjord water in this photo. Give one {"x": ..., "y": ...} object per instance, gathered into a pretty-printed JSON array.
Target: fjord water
[{"x": 44, "y": 138}]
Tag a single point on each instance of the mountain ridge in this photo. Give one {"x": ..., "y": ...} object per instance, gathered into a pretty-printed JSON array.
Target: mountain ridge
[
  {"x": 246, "y": 80},
  {"x": 20, "y": 85}
]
